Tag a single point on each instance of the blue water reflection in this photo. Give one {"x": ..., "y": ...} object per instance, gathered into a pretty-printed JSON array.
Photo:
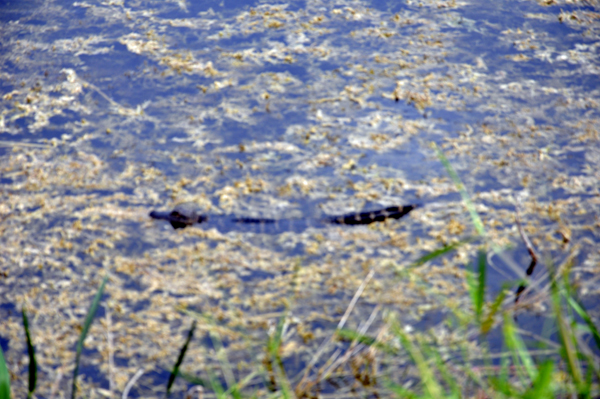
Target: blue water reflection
[{"x": 284, "y": 110}]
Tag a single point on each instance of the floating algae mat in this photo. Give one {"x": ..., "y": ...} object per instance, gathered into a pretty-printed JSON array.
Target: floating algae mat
[{"x": 282, "y": 110}]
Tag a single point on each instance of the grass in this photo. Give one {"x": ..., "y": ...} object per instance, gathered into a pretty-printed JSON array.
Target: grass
[
  {"x": 442, "y": 370},
  {"x": 4, "y": 377},
  {"x": 400, "y": 362},
  {"x": 180, "y": 358},
  {"x": 86, "y": 327},
  {"x": 450, "y": 370},
  {"x": 31, "y": 352}
]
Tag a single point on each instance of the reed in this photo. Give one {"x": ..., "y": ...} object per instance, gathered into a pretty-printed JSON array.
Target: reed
[{"x": 404, "y": 363}]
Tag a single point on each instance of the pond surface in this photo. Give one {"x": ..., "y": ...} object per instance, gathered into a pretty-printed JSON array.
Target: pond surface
[{"x": 300, "y": 109}]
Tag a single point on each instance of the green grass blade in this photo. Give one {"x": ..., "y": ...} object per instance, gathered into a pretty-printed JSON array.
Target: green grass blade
[
  {"x": 487, "y": 324},
  {"x": 351, "y": 335},
  {"x": 468, "y": 368},
  {"x": 221, "y": 355},
  {"x": 567, "y": 336},
  {"x": 275, "y": 341},
  {"x": 430, "y": 384},
  {"x": 463, "y": 192},
  {"x": 472, "y": 287},
  {"x": 192, "y": 379},
  {"x": 274, "y": 351},
  {"x": 180, "y": 358},
  {"x": 444, "y": 371},
  {"x": 477, "y": 288},
  {"x": 504, "y": 371},
  {"x": 501, "y": 383},
  {"x": 580, "y": 310},
  {"x": 481, "y": 286},
  {"x": 439, "y": 252},
  {"x": 427, "y": 377},
  {"x": 216, "y": 385},
  {"x": 86, "y": 327},
  {"x": 518, "y": 348},
  {"x": 401, "y": 392},
  {"x": 4, "y": 378},
  {"x": 31, "y": 352},
  {"x": 236, "y": 389},
  {"x": 542, "y": 386}
]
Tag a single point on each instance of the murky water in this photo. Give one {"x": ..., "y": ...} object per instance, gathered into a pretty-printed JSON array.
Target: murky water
[{"x": 278, "y": 110}]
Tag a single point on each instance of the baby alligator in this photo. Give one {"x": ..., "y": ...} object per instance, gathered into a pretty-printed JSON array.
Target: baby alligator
[{"x": 187, "y": 214}]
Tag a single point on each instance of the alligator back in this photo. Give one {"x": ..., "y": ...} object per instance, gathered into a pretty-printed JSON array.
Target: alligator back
[{"x": 187, "y": 214}]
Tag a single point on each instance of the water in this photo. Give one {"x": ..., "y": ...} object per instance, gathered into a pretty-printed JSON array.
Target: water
[{"x": 298, "y": 109}]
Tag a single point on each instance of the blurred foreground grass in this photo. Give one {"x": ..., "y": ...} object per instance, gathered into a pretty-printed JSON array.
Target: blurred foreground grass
[{"x": 399, "y": 361}]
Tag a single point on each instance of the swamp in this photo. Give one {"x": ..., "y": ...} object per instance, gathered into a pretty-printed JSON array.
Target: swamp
[{"x": 484, "y": 116}]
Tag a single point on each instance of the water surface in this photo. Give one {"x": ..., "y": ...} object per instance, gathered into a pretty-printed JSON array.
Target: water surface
[{"x": 271, "y": 109}]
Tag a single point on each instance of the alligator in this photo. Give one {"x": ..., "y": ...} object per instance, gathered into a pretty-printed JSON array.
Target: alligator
[{"x": 187, "y": 214}]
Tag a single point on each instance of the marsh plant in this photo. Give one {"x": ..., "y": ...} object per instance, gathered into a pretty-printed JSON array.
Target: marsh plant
[{"x": 453, "y": 359}]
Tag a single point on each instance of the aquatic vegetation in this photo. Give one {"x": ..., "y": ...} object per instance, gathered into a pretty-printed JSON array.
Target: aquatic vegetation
[{"x": 298, "y": 111}]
